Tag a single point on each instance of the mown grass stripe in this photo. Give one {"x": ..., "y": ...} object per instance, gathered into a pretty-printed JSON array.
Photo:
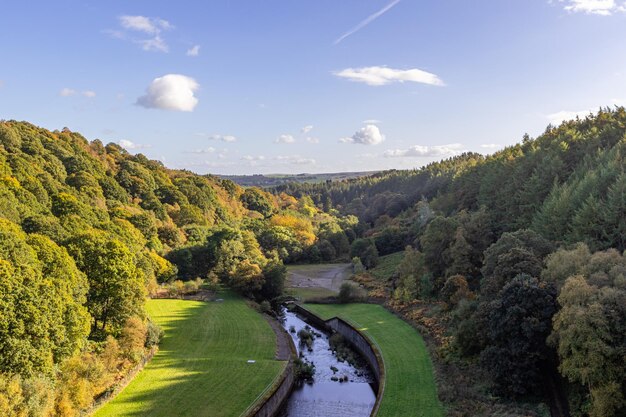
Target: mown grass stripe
[
  {"x": 410, "y": 388},
  {"x": 200, "y": 369}
]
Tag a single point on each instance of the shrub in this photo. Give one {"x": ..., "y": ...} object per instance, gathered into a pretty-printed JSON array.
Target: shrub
[
  {"x": 304, "y": 370},
  {"x": 153, "y": 334},
  {"x": 350, "y": 292}
]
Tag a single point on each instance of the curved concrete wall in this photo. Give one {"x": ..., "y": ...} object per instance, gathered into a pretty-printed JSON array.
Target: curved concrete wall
[{"x": 361, "y": 342}]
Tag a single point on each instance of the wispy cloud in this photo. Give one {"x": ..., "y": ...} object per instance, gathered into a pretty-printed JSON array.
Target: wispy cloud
[
  {"x": 367, "y": 135},
  {"x": 171, "y": 92},
  {"x": 377, "y": 76},
  {"x": 285, "y": 138},
  {"x": 223, "y": 138},
  {"x": 253, "y": 158},
  {"x": 425, "y": 151},
  {"x": 210, "y": 149},
  {"x": 129, "y": 145},
  {"x": 563, "y": 115},
  {"x": 193, "y": 51},
  {"x": 149, "y": 25},
  {"x": 295, "y": 160},
  {"x": 306, "y": 129},
  {"x": 68, "y": 92},
  {"x": 152, "y": 26},
  {"x": 597, "y": 7},
  {"x": 372, "y": 122},
  {"x": 156, "y": 44},
  {"x": 367, "y": 21},
  {"x": 312, "y": 140},
  {"x": 491, "y": 146}
]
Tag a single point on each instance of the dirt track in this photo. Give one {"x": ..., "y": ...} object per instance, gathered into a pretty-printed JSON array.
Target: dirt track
[{"x": 329, "y": 276}]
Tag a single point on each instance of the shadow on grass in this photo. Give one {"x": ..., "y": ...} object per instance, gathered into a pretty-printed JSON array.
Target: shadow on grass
[{"x": 201, "y": 368}]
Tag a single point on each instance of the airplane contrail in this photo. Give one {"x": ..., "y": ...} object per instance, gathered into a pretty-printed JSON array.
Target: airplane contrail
[{"x": 367, "y": 21}]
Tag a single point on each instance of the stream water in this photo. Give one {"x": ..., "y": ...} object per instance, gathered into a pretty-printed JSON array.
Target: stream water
[{"x": 323, "y": 396}]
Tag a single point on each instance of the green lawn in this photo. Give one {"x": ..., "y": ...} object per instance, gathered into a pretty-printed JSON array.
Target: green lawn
[
  {"x": 387, "y": 265},
  {"x": 409, "y": 387},
  {"x": 306, "y": 294},
  {"x": 200, "y": 368}
]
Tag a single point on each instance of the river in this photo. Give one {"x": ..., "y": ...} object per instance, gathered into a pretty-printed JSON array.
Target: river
[{"x": 324, "y": 396}]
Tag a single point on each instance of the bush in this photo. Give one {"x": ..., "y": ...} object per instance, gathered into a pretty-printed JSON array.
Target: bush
[
  {"x": 350, "y": 292},
  {"x": 265, "y": 307},
  {"x": 153, "y": 334},
  {"x": 454, "y": 290},
  {"x": 357, "y": 266},
  {"x": 306, "y": 337},
  {"x": 304, "y": 370}
]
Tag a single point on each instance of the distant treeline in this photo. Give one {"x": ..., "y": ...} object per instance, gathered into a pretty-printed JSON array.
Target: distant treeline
[{"x": 265, "y": 181}]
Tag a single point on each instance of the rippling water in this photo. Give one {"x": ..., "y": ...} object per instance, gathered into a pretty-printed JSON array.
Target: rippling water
[{"x": 325, "y": 397}]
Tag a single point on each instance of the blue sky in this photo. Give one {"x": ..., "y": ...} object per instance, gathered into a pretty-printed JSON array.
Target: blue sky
[{"x": 292, "y": 86}]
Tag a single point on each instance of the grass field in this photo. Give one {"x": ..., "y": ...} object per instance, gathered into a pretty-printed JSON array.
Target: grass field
[
  {"x": 306, "y": 294},
  {"x": 200, "y": 368},
  {"x": 387, "y": 266},
  {"x": 409, "y": 387}
]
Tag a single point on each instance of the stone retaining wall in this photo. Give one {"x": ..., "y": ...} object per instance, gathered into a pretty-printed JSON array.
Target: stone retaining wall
[{"x": 361, "y": 342}]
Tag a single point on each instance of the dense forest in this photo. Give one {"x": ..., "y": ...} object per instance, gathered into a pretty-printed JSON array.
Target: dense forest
[
  {"x": 87, "y": 231},
  {"x": 519, "y": 257},
  {"x": 524, "y": 252}
]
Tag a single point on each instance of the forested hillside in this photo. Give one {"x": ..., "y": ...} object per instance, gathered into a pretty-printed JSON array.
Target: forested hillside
[
  {"x": 512, "y": 263},
  {"x": 87, "y": 231},
  {"x": 518, "y": 257}
]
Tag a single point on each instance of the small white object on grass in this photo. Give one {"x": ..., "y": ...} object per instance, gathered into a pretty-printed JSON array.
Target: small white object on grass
[{"x": 251, "y": 361}]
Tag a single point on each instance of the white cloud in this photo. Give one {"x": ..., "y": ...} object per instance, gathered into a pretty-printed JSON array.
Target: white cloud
[
  {"x": 193, "y": 51},
  {"x": 66, "y": 92},
  {"x": 377, "y": 76},
  {"x": 597, "y": 7},
  {"x": 153, "y": 26},
  {"x": 490, "y": 146},
  {"x": 618, "y": 102},
  {"x": 312, "y": 140},
  {"x": 171, "y": 92},
  {"x": 372, "y": 122},
  {"x": 426, "y": 151},
  {"x": 156, "y": 44},
  {"x": 559, "y": 117},
  {"x": 210, "y": 149},
  {"x": 285, "y": 138},
  {"x": 367, "y": 135},
  {"x": 306, "y": 129},
  {"x": 253, "y": 158},
  {"x": 223, "y": 138},
  {"x": 367, "y": 21},
  {"x": 149, "y": 25},
  {"x": 295, "y": 159},
  {"x": 128, "y": 145}
]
